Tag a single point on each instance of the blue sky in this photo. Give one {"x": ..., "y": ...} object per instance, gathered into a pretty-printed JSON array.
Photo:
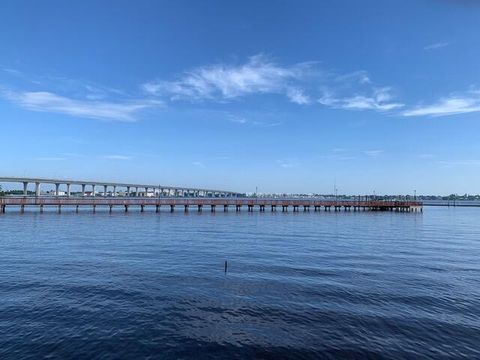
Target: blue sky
[{"x": 289, "y": 96}]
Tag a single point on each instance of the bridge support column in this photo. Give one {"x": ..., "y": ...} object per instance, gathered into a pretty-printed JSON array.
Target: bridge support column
[
  {"x": 25, "y": 192},
  {"x": 93, "y": 190},
  {"x": 104, "y": 190},
  {"x": 114, "y": 191},
  {"x": 57, "y": 189},
  {"x": 68, "y": 189},
  {"x": 37, "y": 189},
  {"x": 128, "y": 190},
  {"x": 83, "y": 189}
]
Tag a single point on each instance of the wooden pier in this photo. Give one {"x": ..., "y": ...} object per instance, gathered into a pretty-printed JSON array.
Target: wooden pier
[{"x": 211, "y": 204}]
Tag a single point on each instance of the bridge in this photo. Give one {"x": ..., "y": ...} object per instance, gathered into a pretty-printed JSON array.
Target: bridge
[{"x": 129, "y": 189}]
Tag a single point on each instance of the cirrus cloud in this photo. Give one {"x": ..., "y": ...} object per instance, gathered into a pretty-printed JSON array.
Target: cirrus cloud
[
  {"x": 45, "y": 101},
  {"x": 226, "y": 81},
  {"x": 458, "y": 103}
]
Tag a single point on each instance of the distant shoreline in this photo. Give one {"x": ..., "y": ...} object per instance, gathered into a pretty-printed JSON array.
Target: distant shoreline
[{"x": 446, "y": 203}]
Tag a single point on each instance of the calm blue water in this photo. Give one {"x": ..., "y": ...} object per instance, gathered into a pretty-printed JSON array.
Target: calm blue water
[{"x": 306, "y": 286}]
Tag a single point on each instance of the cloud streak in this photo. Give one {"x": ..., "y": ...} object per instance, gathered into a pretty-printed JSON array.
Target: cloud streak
[
  {"x": 379, "y": 100},
  {"x": 373, "y": 153},
  {"x": 44, "y": 101},
  {"x": 116, "y": 157},
  {"x": 452, "y": 105},
  {"x": 436, "y": 46}
]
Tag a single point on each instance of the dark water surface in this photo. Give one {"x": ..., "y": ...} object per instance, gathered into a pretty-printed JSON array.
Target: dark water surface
[{"x": 307, "y": 285}]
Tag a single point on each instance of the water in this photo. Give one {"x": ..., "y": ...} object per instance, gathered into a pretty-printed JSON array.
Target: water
[{"x": 307, "y": 286}]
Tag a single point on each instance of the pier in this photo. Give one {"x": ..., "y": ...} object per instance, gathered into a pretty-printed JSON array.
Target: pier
[{"x": 212, "y": 204}]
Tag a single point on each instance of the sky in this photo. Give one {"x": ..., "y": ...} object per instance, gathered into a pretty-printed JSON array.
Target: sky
[{"x": 284, "y": 96}]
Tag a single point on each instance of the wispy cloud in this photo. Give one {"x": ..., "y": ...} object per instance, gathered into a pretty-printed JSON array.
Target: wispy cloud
[
  {"x": 286, "y": 163},
  {"x": 379, "y": 99},
  {"x": 198, "y": 164},
  {"x": 49, "y": 102},
  {"x": 436, "y": 46},
  {"x": 11, "y": 71},
  {"x": 244, "y": 120},
  {"x": 297, "y": 96},
  {"x": 461, "y": 162},
  {"x": 454, "y": 104},
  {"x": 237, "y": 119},
  {"x": 226, "y": 81},
  {"x": 360, "y": 76},
  {"x": 373, "y": 153},
  {"x": 116, "y": 157}
]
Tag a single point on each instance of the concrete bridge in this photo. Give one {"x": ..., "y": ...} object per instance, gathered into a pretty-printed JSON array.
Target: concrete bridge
[
  {"x": 199, "y": 203},
  {"x": 129, "y": 189}
]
